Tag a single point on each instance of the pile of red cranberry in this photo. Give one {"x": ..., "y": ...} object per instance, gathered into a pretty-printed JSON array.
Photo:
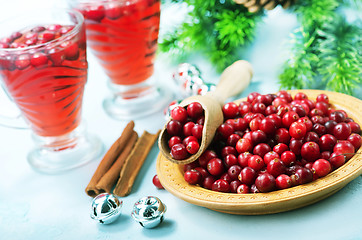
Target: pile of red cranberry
[
  {"x": 272, "y": 142},
  {"x": 185, "y": 130}
]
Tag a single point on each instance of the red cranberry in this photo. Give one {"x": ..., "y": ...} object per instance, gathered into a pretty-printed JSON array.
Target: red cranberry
[
  {"x": 195, "y": 110},
  {"x": 322, "y": 98},
  {"x": 269, "y": 110},
  {"x": 329, "y": 125},
  {"x": 252, "y": 96},
  {"x": 342, "y": 131},
  {"x": 56, "y": 55},
  {"x": 242, "y": 189},
  {"x": 325, "y": 155},
  {"x": 327, "y": 142},
  {"x": 230, "y": 110},
  {"x": 221, "y": 185},
  {"x": 234, "y": 171},
  {"x": 299, "y": 110},
  {"x": 228, "y": 150},
  {"x": 307, "y": 122},
  {"x": 233, "y": 139},
  {"x": 225, "y": 176},
  {"x": 174, "y": 140},
  {"x": 310, "y": 151},
  {"x": 265, "y": 182},
  {"x": 247, "y": 175},
  {"x": 282, "y": 135},
  {"x": 270, "y": 156},
  {"x": 344, "y": 147},
  {"x": 203, "y": 171},
  {"x": 323, "y": 107},
  {"x": 243, "y": 159},
  {"x": 261, "y": 149},
  {"x": 239, "y": 124},
  {"x": 288, "y": 158},
  {"x": 295, "y": 146},
  {"x": 22, "y": 61},
  {"x": 243, "y": 145},
  {"x": 244, "y": 108},
  {"x": 297, "y": 130},
  {"x": 284, "y": 94},
  {"x": 38, "y": 59},
  {"x": 322, "y": 167},
  {"x": 230, "y": 160},
  {"x": 192, "y": 147},
  {"x": 289, "y": 117},
  {"x": 234, "y": 186},
  {"x": 302, "y": 175},
  {"x": 256, "y": 162},
  {"x": 200, "y": 120},
  {"x": 280, "y": 148},
  {"x": 225, "y": 130},
  {"x": 355, "y": 127},
  {"x": 267, "y": 125},
  {"x": 71, "y": 50},
  {"x": 179, "y": 113},
  {"x": 311, "y": 137},
  {"x": 257, "y": 137},
  {"x": 356, "y": 140},
  {"x": 187, "y": 128},
  {"x": 337, "y": 116},
  {"x": 206, "y": 157},
  {"x": 300, "y": 96},
  {"x": 179, "y": 152},
  {"x": 215, "y": 166},
  {"x": 188, "y": 139},
  {"x": 156, "y": 182},
  {"x": 208, "y": 182},
  {"x": 254, "y": 124},
  {"x": 337, "y": 159},
  {"x": 283, "y": 181},
  {"x": 192, "y": 176},
  {"x": 197, "y": 131},
  {"x": 319, "y": 129},
  {"x": 276, "y": 167}
]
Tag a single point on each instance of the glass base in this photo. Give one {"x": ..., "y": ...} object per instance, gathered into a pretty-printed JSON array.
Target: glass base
[
  {"x": 128, "y": 103},
  {"x": 58, "y": 154}
]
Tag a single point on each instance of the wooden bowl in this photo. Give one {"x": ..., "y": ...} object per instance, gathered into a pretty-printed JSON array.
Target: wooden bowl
[{"x": 171, "y": 177}]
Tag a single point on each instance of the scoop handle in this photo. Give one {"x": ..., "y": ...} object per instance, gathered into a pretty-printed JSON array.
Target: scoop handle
[{"x": 234, "y": 79}]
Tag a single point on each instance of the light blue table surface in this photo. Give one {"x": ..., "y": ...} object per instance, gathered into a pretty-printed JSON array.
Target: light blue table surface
[{"x": 38, "y": 206}]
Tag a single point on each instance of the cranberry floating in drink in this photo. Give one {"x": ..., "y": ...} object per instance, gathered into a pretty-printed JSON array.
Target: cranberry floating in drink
[
  {"x": 44, "y": 69},
  {"x": 123, "y": 36}
]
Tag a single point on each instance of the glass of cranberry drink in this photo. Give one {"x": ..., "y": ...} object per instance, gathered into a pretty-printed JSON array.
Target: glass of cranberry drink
[
  {"x": 123, "y": 36},
  {"x": 44, "y": 69}
]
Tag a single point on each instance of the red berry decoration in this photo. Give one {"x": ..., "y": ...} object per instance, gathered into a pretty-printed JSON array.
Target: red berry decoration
[
  {"x": 297, "y": 130},
  {"x": 157, "y": 182},
  {"x": 195, "y": 110},
  {"x": 193, "y": 176},
  {"x": 179, "y": 152},
  {"x": 283, "y": 181},
  {"x": 310, "y": 151},
  {"x": 192, "y": 147},
  {"x": 179, "y": 113},
  {"x": 221, "y": 185},
  {"x": 265, "y": 182},
  {"x": 230, "y": 110},
  {"x": 215, "y": 166},
  {"x": 322, "y": 167}
]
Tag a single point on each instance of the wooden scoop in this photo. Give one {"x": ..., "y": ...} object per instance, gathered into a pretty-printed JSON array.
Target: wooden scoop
[{"x": 233, "y": 81}]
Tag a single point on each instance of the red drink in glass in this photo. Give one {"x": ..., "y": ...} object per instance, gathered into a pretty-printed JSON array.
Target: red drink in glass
[
  {"x": 123, "y": 35},
  {"x": 124, "y": 39},
  {"x": 44, "y": 69},
  {"x": 46, "y": 82}
]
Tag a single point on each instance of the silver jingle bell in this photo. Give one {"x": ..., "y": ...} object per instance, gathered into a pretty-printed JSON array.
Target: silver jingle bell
[
  {"x": 106, "y": 208},
  {"x": 148, "y": 211}
]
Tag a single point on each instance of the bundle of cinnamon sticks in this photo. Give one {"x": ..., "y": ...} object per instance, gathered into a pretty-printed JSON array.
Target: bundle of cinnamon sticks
[{"x": 120, "y": 165}]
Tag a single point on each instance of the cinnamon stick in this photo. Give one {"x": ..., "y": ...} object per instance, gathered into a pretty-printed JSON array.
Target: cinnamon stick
[
  {"x": 107, "y": 182},
  {"x": 109, "y": 159},
  {"x": 134, "y": 163}
]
